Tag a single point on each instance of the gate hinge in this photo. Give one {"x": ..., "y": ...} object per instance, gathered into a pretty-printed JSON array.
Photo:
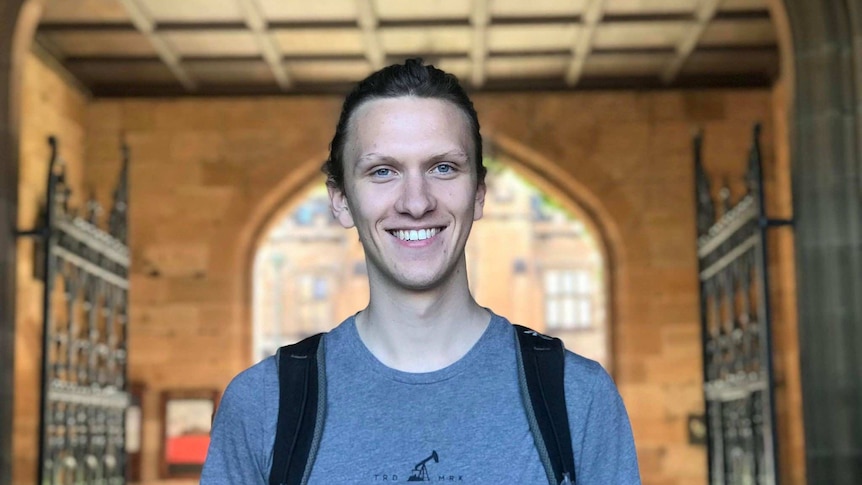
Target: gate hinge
[
  {"x": 776, "y": 222},
  {"x": 37, "y": 233}
]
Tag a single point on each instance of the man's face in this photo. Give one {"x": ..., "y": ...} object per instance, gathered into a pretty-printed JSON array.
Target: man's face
[{"x": 410, "y": 189}]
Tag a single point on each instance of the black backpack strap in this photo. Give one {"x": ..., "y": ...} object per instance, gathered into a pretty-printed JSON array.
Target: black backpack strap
[
  {"x": 301, "y": 401},
  {"x": 541, "y": 362}
]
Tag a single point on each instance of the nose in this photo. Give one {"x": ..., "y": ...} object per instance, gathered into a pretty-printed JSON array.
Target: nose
[{"x": 416, "y": 198}]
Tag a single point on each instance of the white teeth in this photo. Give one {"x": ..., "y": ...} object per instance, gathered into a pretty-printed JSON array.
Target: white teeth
[{"x": 415, "y": 234}]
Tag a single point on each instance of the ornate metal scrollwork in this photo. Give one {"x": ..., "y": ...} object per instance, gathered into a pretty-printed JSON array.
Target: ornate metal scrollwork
[
  {"x": 735, "y": 321},
  {"x": 85, "y": 354},
  {"x": 705, "y": 206}
]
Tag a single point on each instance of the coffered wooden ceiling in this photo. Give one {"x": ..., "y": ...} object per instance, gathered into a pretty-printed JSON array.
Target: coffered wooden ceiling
[{"x": 190, "y": 47}]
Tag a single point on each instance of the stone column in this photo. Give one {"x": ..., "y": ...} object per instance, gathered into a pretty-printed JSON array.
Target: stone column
[
  {"x": 9, "y": 10},
  {"x": 826, "y": 164}
]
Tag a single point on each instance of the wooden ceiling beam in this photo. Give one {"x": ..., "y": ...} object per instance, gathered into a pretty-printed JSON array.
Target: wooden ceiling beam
[
  {"x": 368, "y": 23},
  {"x": 741, "y": 49},
  {"x": 256, "y": 22},
  {"x": 430, "y": 23},
  {"x": 49, "y": 46},
  {"x": 51, "y": 55},
  {"x": 305, "y": 88},
  {"x": 583, "y": 45},
  {"x": 86, "y": 27},
  {"x": 673, "y": 40},
  {"x": 147, "y": 27},
  {"x": 704, "y": 13},
  {"x": 479, "y": 19}
]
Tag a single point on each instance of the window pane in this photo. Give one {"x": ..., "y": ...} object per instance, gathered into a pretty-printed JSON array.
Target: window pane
[
  {"x": 552, "y": 315},
  {"x": 584, "y": 317},
  {"x": 320, "y": 289},
  {"x": 569, "y": 312},
  {"x": 583, "y": 282},
  {"x": 552, "y": 282},
  {"x": 568, "y": 282}
]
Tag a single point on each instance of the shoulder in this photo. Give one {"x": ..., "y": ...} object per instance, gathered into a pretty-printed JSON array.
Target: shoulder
[
  {"x": 261, "y": 380},
  {"x": 252, "y": 378},
  {"x": 588, "y": 384},
  {"x": 578, "y": 369},
  {"x": 599, "y": 423},
  {"x": 244, "y": 427},
  {"x": 583, "y": 371},
  {"x": 584, "y": 377}
]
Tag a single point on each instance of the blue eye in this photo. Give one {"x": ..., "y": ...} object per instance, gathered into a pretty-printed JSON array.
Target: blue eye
[
  {"x": 382, "y": 172},
  {"x": 444, "y": 168}
]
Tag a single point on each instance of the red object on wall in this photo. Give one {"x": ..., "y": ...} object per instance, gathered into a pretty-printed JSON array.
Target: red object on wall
[{"x": 187, "y": 449}]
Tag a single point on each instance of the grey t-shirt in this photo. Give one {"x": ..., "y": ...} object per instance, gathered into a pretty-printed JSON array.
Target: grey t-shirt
[{"x": 464, "y": 423}]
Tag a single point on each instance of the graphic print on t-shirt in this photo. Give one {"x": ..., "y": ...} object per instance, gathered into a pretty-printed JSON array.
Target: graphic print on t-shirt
[{"x": 421, "y": 472}]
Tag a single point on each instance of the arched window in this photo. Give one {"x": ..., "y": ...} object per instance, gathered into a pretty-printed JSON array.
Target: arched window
[
  {"x": 530, "y": 259},
  {"x": 309, "y": 274}
]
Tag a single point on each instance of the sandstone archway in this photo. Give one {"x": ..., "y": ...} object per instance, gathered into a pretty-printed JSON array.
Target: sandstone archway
[{"x": 552, "y": 273}]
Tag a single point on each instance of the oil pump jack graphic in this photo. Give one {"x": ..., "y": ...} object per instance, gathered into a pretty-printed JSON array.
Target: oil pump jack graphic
[{"x": 420, "y": 472}]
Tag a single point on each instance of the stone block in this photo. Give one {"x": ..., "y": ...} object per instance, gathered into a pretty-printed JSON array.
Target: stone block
[
  {"x": 196, "y": 146},
  {"x": 682, "y": 400},
  {"x": 651, "y": 463},
  {"x": 196, "y": 289},
  {"x": 641, "y": 340},
  {"x": 666, "y": 370},
  {"x": 628, "y": 369},
  {"x": 643, "y": 401},
  {"x": 137, "y": 115},
  {"x": 103, "y": 118},
  {"x": 667, "y": 106},
  {"x": 748, "y": 106},
  {"x": 701, "y": 106},
  {"x": 178, "y": 259},
  {"x": 660, "y": 431},
  {"x": 687, "y": 462}
]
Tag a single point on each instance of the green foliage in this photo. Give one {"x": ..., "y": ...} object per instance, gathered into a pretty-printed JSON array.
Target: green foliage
[{"x": 547, "y": 204}]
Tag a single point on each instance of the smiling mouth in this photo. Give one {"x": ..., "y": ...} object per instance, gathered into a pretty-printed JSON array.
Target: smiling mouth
[{"x": 416, "y": 234}]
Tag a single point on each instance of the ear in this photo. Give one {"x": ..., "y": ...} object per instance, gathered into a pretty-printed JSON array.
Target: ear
[
  {"x": 339, "y": 207},
  {"x": 479, "y": 202}
]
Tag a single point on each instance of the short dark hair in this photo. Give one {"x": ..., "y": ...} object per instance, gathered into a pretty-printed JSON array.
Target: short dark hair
[{"x": 409, "y": 79}]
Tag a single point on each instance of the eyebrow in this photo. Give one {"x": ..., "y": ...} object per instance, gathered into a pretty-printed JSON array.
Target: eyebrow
[
  {"x": 378, "y": 157},
  {"x": 373, "y": 157},
  {"x": 451, "y": 154}
]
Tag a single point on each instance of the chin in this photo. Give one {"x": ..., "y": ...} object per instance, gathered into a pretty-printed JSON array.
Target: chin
[
  {"x": 418, "y": 285},
  {"x": 412, "y": 282},
  {"x": 422, "y": 282}
]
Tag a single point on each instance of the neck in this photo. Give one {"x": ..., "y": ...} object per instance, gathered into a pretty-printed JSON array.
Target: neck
[{"x": 421, "y": 331}]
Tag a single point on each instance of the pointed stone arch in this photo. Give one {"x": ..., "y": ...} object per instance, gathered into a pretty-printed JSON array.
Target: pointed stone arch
[
  {"x": 308, "y": 272},
  {"x": 528, "y": 164},
  {"x": 259, "y": 220},
  {"x": 549, "y": 177},
  {"x": 18, "y": 21}
]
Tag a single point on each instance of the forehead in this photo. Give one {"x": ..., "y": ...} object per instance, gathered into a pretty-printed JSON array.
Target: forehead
[{"x": 407, "y": 125}]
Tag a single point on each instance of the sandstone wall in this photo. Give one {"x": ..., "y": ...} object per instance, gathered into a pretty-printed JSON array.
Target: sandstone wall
[
  {"x": 207, "y": 175},
  {"x": 49, "y": 106}
]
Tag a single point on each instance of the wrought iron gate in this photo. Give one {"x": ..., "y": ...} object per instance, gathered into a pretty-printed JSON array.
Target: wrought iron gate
[
  {"x": 735, "y": 324},
  {"x": 84, "y": 386}
]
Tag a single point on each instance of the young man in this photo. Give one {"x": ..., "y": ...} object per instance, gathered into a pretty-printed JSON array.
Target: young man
[{"x": 422, "y": 384}]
